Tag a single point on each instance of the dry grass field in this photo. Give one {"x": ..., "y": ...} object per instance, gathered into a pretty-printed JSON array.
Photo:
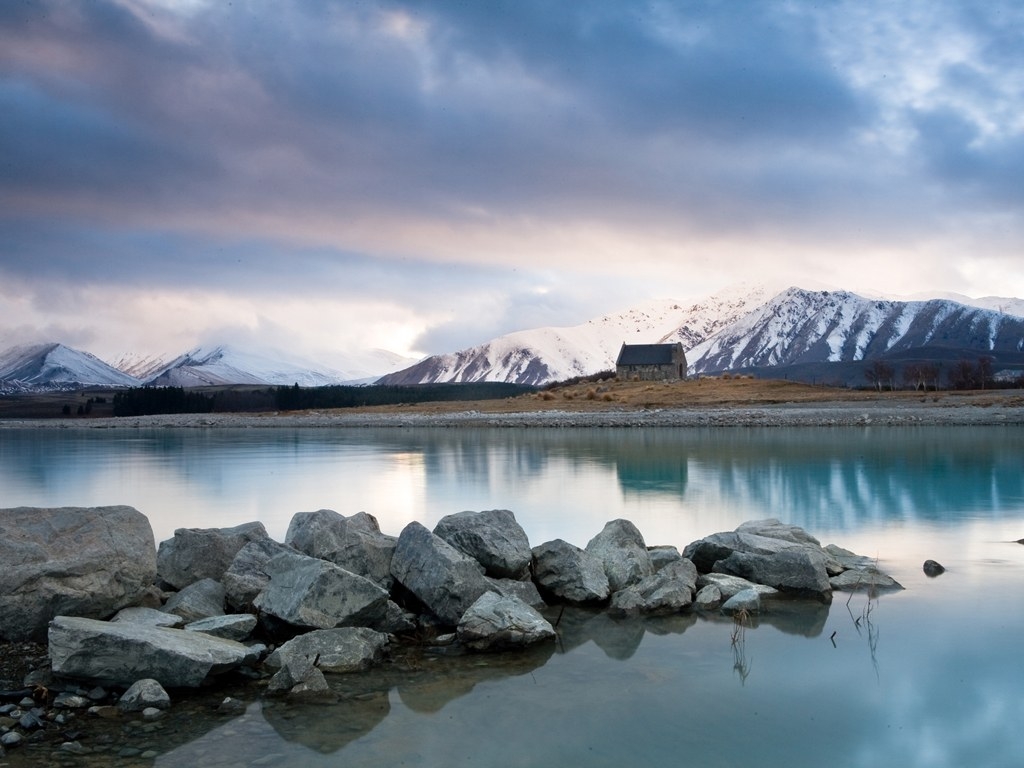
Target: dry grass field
[{"x": 611, "y": 395}]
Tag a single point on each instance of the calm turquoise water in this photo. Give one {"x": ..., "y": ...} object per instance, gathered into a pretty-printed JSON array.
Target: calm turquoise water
[{"x": 931, "y": 676}]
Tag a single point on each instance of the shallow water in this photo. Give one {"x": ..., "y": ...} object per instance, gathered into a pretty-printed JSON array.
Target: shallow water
[{"x": 929, "y": 676}]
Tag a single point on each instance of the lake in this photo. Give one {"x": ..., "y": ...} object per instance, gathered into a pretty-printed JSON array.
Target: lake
[{"x": 930, "y": 676}]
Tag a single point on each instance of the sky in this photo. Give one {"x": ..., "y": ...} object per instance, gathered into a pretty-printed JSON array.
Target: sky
[{"x": 328, "y": 177}]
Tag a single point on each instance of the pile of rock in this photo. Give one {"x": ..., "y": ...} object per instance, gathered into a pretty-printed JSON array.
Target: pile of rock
[{"x": 121, "y": 613}]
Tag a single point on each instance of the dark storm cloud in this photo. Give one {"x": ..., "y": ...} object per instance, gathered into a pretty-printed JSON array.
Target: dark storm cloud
[
  {"x": 512, "y": 105},
  {"x": 369, "y": 148}
]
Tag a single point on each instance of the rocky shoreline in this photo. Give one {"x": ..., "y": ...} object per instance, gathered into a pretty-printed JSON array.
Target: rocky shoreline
[
  {"x": 977, "y": 411},
  {"x": 214, "y": 609}
]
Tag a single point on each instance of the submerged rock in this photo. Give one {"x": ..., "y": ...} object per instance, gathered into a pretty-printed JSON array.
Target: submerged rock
[
  {"x": 708, "y": 598},
  {"x": 867, "y": 579},
  {"x": 729, "y": 585},
  {"x": 747, "y": 601},
  {"x": 81, "y": 561},
  {"x": 349, "y": 649}
]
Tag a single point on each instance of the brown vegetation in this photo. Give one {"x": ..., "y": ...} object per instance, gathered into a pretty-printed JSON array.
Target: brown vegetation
[{"x": 610, "y": 394}]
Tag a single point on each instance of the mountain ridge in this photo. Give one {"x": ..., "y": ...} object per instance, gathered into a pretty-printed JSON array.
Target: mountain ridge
[{"x": 747, "y": 328}]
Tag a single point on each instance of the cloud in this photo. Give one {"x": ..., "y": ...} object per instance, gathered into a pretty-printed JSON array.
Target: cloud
[{"x": 448, "y": 158}]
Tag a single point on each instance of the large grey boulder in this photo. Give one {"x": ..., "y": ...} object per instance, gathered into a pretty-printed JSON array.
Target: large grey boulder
[
  {"x": 348, "y": 649},
  {"x": 795, "y": 571},
  {"x": 496, "y": 623},
  {"x": 622, "y": 551},
  {"x": 568, "y": 573},
  {"x": 203, "y": 553},
  {"x": 493, "y": 538},
  {"x": 247, "y": 576},
  {"x": 78, "y": 561},
  {"x": 441, "y": 577},
  {"x": 200, "y": 600},
  {"x": 355, "y": 543},
  {"x": 773, "y": 529},
  {"x": 758, "y": 537},
  {"x": 667, "y": 591},
  {"x": 119, "y": 653},
  {"x": 315, "y": 594}
]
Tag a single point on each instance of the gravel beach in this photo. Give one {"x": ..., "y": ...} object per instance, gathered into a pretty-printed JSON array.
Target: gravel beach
[{"x": 980, "y": 411}]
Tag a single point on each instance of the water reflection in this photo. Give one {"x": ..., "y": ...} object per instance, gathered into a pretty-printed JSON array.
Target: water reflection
[
  {"x": 671, "y": 482},
  {"x": 926, "y": 677}
]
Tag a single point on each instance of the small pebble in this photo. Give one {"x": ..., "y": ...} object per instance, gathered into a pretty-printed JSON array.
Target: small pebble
[
  {"x": 73, "y": 747},
  {"x": 11, "y": 739}
]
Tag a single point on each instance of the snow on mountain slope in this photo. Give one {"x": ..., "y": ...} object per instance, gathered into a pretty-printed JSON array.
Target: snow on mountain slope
[
  {"x": 553, "y": 354},
  {"x": 141, "y": 366},
  {"x": 221, "y": 365},
  {"x": 799, "y": 326},
  {"x": 51, "y": 366},
  {"x": 1006, "y": 305}
]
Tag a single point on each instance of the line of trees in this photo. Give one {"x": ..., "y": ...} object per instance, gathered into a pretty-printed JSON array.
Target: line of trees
[
  {"x": 143, "y": 401},
  {"x": 296, "y": 398},
  {"x": 963, "y": 374}
]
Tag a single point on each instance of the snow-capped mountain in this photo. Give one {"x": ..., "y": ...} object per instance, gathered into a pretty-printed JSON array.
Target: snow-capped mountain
[
  {"x": 554, "y": 354},
  {"x": 221, "y": 365},
  {"x": 793, "y": 333},
  {"x": 51, "y": 366},
  {"x": 798, "y": 327},
  {"x": 55, "y": 366},
  {"x": 742, "y": 329}
]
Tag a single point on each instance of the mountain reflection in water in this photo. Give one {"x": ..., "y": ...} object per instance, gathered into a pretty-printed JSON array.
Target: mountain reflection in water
[{"x": 930, "y": 677}]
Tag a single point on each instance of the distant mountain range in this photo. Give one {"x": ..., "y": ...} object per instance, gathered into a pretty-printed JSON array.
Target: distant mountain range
[
  {"x": 56, "y": 366},
  {"x": 823, "y": 336}
]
